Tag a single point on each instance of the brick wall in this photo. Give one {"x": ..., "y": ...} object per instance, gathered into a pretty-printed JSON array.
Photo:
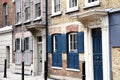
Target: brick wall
[
  {"x": 0, "y": 14},
  {"x": 116, "y": 63},
  {"x": 63, "y": 72}
]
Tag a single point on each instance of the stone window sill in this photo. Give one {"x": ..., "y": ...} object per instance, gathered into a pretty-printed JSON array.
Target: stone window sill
[
  {"x": 70, "y": 69},
  {"x": 56, "y": 67}
]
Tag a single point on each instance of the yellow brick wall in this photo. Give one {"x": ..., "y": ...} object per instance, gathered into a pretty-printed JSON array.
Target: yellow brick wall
[
  {"x": 64, "y": 18},
  {"x": 116, "y": 63}
]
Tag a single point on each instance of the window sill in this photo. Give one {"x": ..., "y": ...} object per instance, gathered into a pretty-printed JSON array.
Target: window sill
[
  {"x": 27, "y": 64},
  {"x": 18, "y": 63},
  {"x": 56, "y": 14},
  {"x": 37, "y": 19},
  {"x": 19, "y": 23},
  {"x": 72, "y": 9},
  {"x": 92, "y": 4},
  {"x": 27, "y": 21},
  {"x": 56, "y": 67},
  {"x": 70, "y": 69}
]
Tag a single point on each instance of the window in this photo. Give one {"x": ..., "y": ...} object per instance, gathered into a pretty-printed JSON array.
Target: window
[
  {"x": 17, "y": 42},
  {"x": 27, "y": 13},
  {"x": 27, "y": 43},
  {"x": 18, "y": 10},
  {"x": 37, "y": 10},
  {"x": 72, "y": 5},
  {"x": 54, "y": 43},
  {"x": 56, "y": 7},
  {"x": 27, "y": 9},
  {"x": 18, "y": 16},
  {"x": 91, "y": 3},
  {"x": 72, "y": 42},
  {"x": 5, "y": 15}
]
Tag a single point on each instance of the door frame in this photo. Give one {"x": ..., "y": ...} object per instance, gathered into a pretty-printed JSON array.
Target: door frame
[{"x": 105, "y": 49}]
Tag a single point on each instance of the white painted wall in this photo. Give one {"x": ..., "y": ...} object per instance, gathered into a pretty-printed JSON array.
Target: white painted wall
[{"x": 5, "y": 40}]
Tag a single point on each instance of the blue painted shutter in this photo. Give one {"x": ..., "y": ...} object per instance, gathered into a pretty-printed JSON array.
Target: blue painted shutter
[
  {"x": 81, "y": 42},
  {"x": 76, "y": 61},
  {"x": 64, "y": 43},
  {"x": 49, "y": 46},
  {"x": 59, "y": 50}
]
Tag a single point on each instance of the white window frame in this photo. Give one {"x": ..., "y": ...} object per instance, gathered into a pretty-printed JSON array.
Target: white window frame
[
  {"x": 54, "y": 43},
  {"x": 75, "y": 8},
  {"x": 91, "y": 4},
  {"x": 53, "y": 9},
  {"x": 71, "y": 47}
]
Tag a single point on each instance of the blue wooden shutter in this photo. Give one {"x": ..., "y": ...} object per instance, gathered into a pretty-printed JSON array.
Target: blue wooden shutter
[
  {"x": 81, "y": 42},
  {"x": 64, "y": 43},
  {"x": 59, "y": 50},
  {"x": 49, "y": 46}
]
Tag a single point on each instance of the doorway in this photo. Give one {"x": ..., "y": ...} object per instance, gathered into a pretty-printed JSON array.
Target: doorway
[
  {"x": 97, "y": 54},
  {"x": 39, "y": 38}
]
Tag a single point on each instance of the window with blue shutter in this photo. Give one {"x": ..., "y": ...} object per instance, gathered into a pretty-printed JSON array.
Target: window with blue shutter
[{"x": 72, "y": 52}]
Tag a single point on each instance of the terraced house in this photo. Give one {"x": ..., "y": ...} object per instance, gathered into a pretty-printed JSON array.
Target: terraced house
[
  {"x": 84, "y": 31},
  {"x": 5, "y": 33},
  {"x": 29, "y": 36}
]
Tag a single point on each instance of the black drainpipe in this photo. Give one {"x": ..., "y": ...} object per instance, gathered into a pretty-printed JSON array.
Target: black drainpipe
[{"x": 46, "y": 28}]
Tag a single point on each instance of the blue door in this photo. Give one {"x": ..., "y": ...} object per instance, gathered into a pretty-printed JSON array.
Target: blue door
[
  {"x": 97, "y": 54},
  {"x": 57, "y": 51}
]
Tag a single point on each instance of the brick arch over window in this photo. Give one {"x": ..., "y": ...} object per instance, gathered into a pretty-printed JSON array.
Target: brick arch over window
[
  {"x": 72, "y": 28},
  {"x": 4, "y": 1}
]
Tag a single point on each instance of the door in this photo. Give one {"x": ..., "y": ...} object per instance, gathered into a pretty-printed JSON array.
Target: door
[
  {"x": 57, "y": 51},
  {"x": 97, "y": 54},
  {"x": 8, "y": 56},
  {"x": 39, "y": 55}
]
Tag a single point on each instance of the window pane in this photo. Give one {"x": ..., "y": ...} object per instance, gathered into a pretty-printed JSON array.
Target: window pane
[
  {"x": 17, "y": 44},
  {"x": 37, "y": 9},
  {"x": 56, "y": 5},
  {"x": 26, "y": 43},
  {"x": 72, "y": 3}
]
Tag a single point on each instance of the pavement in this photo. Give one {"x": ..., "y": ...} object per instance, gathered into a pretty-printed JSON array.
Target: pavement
[{"x": 13, "y": 76}]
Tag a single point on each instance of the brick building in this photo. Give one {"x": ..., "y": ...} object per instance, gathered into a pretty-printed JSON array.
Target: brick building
[
  {"x": 80, "y": 31},
  {"x": 29, "y": 36},
  {"x": 5, "y": 32}
]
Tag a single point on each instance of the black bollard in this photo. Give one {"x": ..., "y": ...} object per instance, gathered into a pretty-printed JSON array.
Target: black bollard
[
  {"x": 5, "y": 68},
  {"x": 83, "y": 70},
  {"x": 23, "y": 70}
]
